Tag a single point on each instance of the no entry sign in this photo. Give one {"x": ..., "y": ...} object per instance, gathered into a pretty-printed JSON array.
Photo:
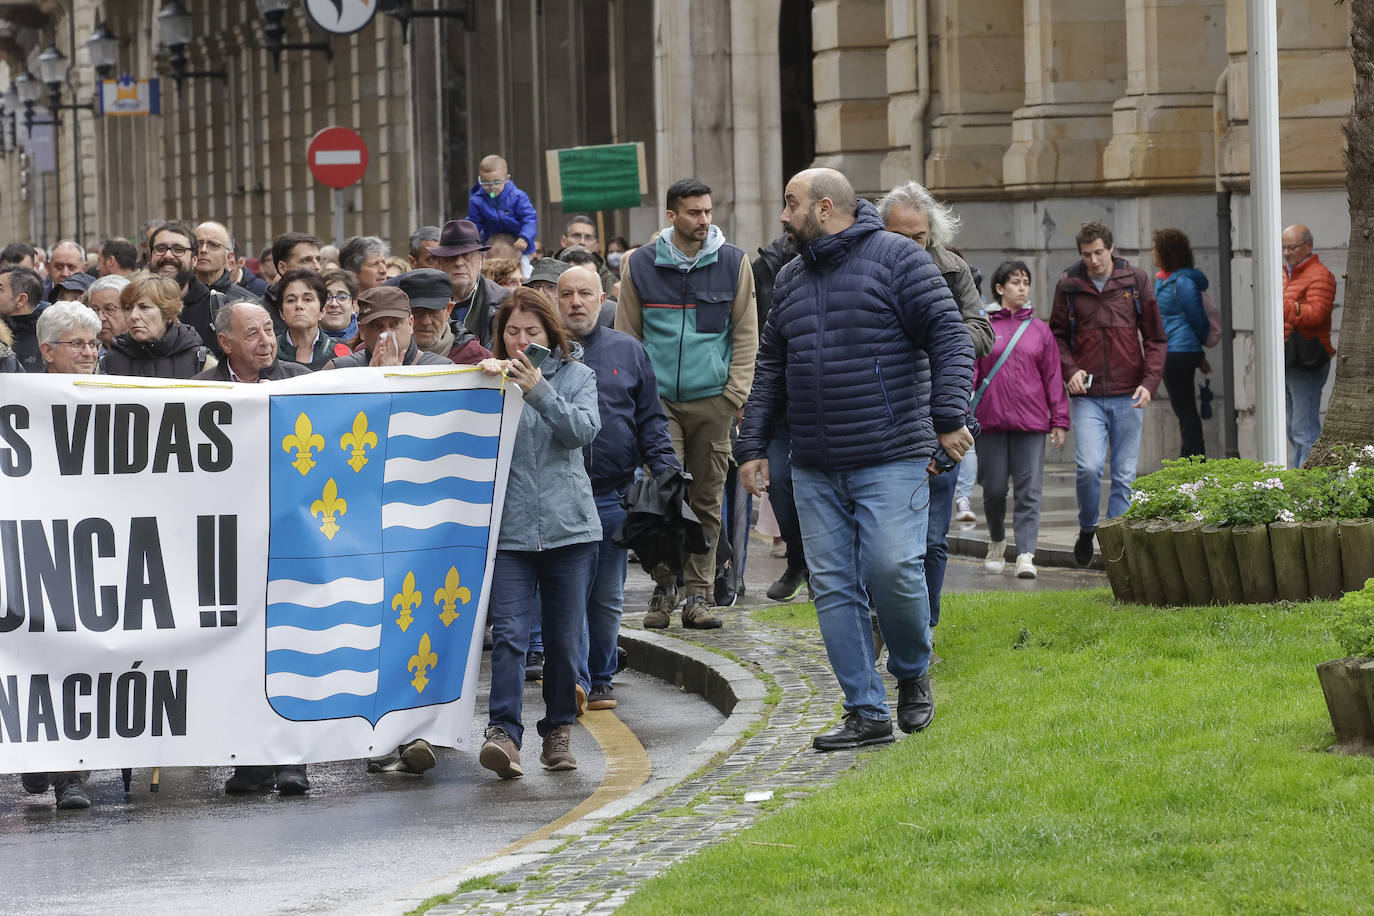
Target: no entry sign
[{"x": 337, "y": 156}]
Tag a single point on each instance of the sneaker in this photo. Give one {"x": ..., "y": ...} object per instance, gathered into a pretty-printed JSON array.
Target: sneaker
[
  {"x": 500, "y": 755},
  {"x": 291, "y": 780},
  {"x": 697, "y": 615},
  {"x": 915, "y": 705},
  {"x": 1083, "y": 548},
  {"x": 725, "y": 593},
  {"x": 996, "y": 560},
  {"x": 1025, "y": 566},
  {"x": 70, "y": 792},
  {"x": 251, "y": 779},
  {"x": 581, "y": 693},
  {"x": 789, "y": 584},
  {"x": 660, "y": 608},
  {"x": 534, "y": 666},
  {"x": 963, "y": 510},
  {"x": 416, "y": 757},
  {"x": 603, "y": 697},
  {"x": 556, "y": 755},
  {"x": 854, "y": 731},
  {"x": 386, "y": 763}
]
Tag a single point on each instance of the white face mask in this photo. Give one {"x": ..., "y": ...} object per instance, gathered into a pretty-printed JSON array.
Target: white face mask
[{"x": 614, "y": 258}]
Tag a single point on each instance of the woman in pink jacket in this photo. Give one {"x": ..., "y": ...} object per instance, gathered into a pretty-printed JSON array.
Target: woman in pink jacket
[{"x": 1019, "y": 399}]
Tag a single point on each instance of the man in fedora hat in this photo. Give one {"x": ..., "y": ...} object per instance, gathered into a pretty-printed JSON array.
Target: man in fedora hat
[
  {"x": 459, "y": 254},
  {"x": 387, "y": 329}
]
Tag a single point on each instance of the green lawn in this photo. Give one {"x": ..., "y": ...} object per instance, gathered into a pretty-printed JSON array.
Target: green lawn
[{"x": 1083, "y": 759}]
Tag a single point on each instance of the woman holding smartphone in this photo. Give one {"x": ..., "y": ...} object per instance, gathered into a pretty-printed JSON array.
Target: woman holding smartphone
[{"x": 550, "y": 530}]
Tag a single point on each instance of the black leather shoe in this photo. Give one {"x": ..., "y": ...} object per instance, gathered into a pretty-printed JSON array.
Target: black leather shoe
[
  {"x": 251, "y": 779},
  {"x": 71, "y": 794},
  {"x": 854, "y": 731},
  {"x": 291, "y": 780},
  {"x": 915, "y": 705},
  {"x": 1083, "y": 548},
  {"x": 534, "y": 666}
]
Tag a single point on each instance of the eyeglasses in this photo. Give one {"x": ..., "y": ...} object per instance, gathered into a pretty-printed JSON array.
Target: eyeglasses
[
  {"x": 210, "y": 245},
  {"x": 178, "y": 250},
  {"x": 338, "y": 297},
  {"x": 81, "y": 344},
  {"x": 492, "y": 184}
]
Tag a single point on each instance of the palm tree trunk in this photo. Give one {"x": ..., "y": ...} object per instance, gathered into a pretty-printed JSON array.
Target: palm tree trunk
[{"x": 1350, "y": 416}]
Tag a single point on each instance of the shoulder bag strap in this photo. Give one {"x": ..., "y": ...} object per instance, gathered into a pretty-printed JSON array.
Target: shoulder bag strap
[{"x": 1011, "y": 345}]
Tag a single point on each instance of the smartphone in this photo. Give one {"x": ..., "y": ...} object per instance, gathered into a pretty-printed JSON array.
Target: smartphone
[
  {"x": 537, "y": 354},
  {"x": 1088, "y": 381}
]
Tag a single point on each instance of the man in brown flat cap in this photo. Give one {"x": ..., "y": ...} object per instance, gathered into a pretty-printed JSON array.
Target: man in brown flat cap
[{"x": 387, "y": 329}]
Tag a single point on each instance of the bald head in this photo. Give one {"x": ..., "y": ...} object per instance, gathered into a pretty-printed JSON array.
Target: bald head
[
  {"x": 1297, "y": 244},
  {"x": 818, "y": 202},
  {"x": 579, "y": 299}
]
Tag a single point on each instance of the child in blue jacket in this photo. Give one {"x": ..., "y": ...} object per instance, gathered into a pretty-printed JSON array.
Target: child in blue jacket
[{"x": 497, "y": 205}]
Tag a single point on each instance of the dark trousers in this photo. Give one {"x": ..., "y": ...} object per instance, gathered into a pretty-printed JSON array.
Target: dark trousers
[
  {"x": 780, "y": 495},
  {"x": 1180, "y": 371}
]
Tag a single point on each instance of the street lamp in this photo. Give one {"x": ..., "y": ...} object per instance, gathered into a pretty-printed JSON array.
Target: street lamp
[
  {"x": 174, "y": 25},
  {"x": 103, "y": 48},
  {"x": 274, "y": 32},
  {"x": 404, "y": 10}
]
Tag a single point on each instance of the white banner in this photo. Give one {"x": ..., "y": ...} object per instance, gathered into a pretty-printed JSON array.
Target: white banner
[{"x": 203, "y": 574}]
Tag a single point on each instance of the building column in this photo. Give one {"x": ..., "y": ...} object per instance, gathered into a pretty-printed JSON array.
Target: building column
[
  {"x": 1075, "y": 56},
  {"x": 981, "y": 77},
  {"x": 849, "y": 38},
  {"x": 1162, "y": 128}
]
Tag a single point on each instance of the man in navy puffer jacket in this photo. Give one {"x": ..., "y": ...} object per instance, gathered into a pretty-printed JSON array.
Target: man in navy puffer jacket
[{"x": 841, "y": 355}]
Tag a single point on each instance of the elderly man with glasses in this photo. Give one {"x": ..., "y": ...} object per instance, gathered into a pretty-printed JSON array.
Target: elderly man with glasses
[
  {"x": 459, "y": 254},
  {"x": 69, "y": 339}
]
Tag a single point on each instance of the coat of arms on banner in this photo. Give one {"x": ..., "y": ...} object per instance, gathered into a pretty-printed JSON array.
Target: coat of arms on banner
[{"x": 381, "y": 506}]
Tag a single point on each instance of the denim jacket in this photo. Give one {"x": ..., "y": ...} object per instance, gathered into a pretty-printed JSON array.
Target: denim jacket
[{"x": 549, "y": 499}]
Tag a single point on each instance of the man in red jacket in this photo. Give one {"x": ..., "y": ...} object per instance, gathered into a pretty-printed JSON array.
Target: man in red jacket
[
  {"x": 1111, "y": 350},
  {"x": 1309, "y": 294}
]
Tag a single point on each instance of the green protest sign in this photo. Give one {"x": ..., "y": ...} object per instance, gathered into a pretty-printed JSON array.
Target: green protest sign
[{"x": 608, "y": 177}]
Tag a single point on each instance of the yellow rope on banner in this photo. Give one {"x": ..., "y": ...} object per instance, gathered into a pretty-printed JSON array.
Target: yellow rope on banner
[
  {"x": 151, "y": 387},
  {"x": 430, "y": 372}
]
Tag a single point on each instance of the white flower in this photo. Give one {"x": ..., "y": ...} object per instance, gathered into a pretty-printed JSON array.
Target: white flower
[{"x": 1286, "y": 516}]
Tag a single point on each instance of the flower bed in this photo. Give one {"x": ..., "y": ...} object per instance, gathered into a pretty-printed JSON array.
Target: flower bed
[{"x": 1238, "y": 531}]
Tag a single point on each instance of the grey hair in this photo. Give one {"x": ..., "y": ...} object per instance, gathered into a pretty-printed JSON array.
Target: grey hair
[
  {"x": 944, "y": 222},
  {"x": 422, "y": 235},
  {"x": 224, "y": 318},
  {"x": 113, "y": 281},
  {"x": 61, "y": 317},
  {"x": 358, "y": 249},
  {"x": 79, "y": 246}
]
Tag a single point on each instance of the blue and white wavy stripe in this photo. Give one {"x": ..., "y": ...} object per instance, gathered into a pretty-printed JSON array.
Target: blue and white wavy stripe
[{"x": 320, "y": 647}]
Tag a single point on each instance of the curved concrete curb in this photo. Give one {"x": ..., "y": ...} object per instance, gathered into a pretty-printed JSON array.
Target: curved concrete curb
[
  {"x": 724, "y": 683},
  {"x": 1062, "y": 557}
]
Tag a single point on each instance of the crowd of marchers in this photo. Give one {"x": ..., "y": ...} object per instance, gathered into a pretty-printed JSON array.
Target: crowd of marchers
[{"x": 843, "y": 375}]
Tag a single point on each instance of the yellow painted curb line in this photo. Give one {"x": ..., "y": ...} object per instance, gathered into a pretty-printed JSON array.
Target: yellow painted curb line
[{"x": 627, "y": 768}]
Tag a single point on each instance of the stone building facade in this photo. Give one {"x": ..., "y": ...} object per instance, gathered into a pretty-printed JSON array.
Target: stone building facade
[{"x": 1030, "y": 115}]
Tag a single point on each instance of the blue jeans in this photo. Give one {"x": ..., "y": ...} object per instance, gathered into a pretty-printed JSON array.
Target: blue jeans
[
  {"x": 1098, "y": 422},
  {"x": 937, "y": 536},
  {"x": 865, "y": 534},
  {"x": 968, "y": 475},
  {"x": 1303, "y": 393},
  {"x": 551, "y": 585},
  {"x": 780, "y": 495},
  {"x": 596, "y": 659}
]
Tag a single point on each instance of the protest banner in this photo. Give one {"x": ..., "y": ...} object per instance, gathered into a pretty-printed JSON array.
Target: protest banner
[{"x": 213, "y": 574}]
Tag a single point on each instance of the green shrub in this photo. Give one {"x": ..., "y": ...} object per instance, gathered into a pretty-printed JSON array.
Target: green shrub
[{"x": 1353, "y": 622}]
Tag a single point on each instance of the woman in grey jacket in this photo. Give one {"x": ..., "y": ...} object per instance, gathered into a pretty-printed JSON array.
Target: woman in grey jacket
[{"x": 549, "y": 532}]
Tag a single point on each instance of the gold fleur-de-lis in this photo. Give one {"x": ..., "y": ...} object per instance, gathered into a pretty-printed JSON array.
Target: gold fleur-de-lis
[
  {"x": 406, "y": 600},
  {"x": 450, "y": 596},
  {"x": 305, "y": 441},
  {"x": 358, "y": 442},
  {"x": 327, "y": 506},
  {"x": 422, "y": 661}
]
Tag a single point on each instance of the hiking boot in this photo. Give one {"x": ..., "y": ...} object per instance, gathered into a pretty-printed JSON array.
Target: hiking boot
[
  {"x": 915, "y": 705},
  {"x": 556, "y": 755},
  {"x": 696, "y": 614},
  {"x": 963, "y": 510},
  {"x": 1025, "y": 566},
  {"x": 603, "y": 697},
  {"x": 789, "y": 584},
  {"x": 854, "y": 731},
  {"x": 34, "y": 783},
  {"x": 251, "y": 779},
  {"x": 534, "y": 666},
  {"x": 500, "y": 755},
  {"x": 416, "y": 757},
  {"x": 70, "y": 792},
  {"x": 997, "y": 557},
  {"x": 660, "y": 608},
  {"x": 1083, "y": 548},
  {"x": 581, "y": 699},
  {"x": 291, "y": 780}
]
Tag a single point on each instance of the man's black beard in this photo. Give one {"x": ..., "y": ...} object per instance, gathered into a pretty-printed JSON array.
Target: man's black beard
[{"x": 182, "y": 276}]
